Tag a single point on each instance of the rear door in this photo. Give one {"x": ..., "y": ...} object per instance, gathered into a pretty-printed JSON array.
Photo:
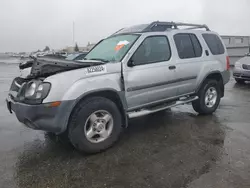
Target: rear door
[
  {"x": 189, "y": 62},
  {"x": 150, "y": 79}
]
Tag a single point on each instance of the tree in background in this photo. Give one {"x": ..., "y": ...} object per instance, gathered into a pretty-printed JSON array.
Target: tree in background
[
  {"x": 46, "y": 49},
  {"x": 76, "y": 48}
]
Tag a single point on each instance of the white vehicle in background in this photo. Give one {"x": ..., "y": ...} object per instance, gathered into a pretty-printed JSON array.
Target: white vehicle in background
[{"x": 241, "y": 71}]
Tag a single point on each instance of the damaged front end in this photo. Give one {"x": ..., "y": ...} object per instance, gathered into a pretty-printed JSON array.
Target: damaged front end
[
  {"x": 44, "y": 67},
  {"x": 31, "y": 88},
  {"x": 27, "y": 94},
  {"x": 28, "y": 91}
]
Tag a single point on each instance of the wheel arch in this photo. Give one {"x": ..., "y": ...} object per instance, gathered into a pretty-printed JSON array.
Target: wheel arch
[
  {"x": 118, "y": 97},
  {"x": 215, "y": 75}
]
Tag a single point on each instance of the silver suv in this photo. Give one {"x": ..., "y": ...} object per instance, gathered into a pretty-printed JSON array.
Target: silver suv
[{"x": 134, "y": 72}]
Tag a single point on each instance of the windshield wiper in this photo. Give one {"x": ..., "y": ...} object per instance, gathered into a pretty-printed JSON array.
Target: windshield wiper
[{"x": 99, "y": 59}]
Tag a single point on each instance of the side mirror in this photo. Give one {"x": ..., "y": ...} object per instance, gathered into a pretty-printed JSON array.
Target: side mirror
[{"x": 131, "y": 62}]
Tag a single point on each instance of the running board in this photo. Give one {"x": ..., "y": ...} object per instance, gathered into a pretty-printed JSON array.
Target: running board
[{"x": 160, "y": 108}]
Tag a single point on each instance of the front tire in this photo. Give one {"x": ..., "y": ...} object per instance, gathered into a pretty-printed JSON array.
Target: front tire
[
  {"x": 209, "y": 98},
  {"x": 95, "y": 125}
]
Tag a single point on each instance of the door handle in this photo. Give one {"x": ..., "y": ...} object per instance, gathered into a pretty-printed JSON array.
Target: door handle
[{"x": 172, "y": 67}]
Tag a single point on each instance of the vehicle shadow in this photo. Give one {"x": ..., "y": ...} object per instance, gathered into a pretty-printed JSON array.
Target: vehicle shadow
[
  {"x": 245, "y": 85},
  {"x": 167, "y": 149}
]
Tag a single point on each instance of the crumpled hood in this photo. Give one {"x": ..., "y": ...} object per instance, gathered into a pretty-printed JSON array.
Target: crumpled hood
[
  {"x": 25, "y": 72},
  {"x": 245, "y": 60},
  {"x": 76, "y": 82},
  {"x": 44, "y": 67}
]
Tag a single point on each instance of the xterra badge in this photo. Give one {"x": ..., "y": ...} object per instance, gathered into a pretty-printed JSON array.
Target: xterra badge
[{"x": 96, "y": 69}]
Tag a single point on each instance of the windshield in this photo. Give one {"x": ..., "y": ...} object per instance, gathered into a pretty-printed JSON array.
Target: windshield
[
  {"x": 76, "y": 57},
  {"x": 112, "y": 49},
  {"x": 71, "y": 56}
]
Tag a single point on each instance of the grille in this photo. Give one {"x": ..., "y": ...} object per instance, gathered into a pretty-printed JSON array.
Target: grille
[
  {"x": 236, "y": 74},
  {"x": 247, "y": 77},
  {"x": 246, "y": 67}
]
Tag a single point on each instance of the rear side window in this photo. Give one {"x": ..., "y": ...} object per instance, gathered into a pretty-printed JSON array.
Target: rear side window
[
  {"x": 188, "y": 46},
  {"x": 214, "y": 43}
]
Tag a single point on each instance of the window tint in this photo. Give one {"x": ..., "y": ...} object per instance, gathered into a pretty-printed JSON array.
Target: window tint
[
  {"x": 153, "y": 49},
  {"x": 196, "y": 45},
  {"x": 214, "y": 43},
  {"x": 184, "y": 46}
]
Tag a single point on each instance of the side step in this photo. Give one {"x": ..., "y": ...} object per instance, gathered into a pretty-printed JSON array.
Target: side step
[{"x": 144, "y": 112}]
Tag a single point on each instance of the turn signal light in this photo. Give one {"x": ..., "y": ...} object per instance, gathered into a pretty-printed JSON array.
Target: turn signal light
[{"x": 53, "y": 104}]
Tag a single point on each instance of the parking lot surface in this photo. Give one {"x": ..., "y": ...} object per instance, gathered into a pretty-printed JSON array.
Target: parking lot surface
[{"x": 175, "y": 148}]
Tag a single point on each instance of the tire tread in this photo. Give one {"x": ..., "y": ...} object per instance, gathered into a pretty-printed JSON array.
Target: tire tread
[
  {"x": 92, "y": 103},
  {"x": 198, "y": 105}
]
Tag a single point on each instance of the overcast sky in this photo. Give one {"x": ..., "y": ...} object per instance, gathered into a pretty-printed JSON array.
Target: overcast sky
[{"x": 28, "y": 25}]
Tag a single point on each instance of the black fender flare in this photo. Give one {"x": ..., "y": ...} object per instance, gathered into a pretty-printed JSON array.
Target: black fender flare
[
  {"x": 120, "y": 96},
  {"x": 205, "y": 77}
]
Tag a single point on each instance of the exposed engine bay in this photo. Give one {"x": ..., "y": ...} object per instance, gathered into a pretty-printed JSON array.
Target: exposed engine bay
[{"x": 44, "y": 67}]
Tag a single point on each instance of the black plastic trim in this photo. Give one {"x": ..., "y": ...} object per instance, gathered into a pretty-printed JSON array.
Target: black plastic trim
[
  {"x": 136, "y": 88},
  {"x": 120, "y": 94}
]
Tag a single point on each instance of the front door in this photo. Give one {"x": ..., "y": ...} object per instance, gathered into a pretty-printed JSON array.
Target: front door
[{"x": 150, "y": 78}]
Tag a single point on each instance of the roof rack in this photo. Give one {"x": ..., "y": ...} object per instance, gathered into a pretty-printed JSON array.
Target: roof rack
[
  {"x": 163, "y": 26},
  {"x": 159, "y": 26}
]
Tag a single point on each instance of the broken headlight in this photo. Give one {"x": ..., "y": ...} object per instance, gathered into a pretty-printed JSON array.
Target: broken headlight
[{"x": 37, "y": 90}]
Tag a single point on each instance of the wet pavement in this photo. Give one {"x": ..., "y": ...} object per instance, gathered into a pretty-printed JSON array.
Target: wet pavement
[{"x": 175, "y": 148}]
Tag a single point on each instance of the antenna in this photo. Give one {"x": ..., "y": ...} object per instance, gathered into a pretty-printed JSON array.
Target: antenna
[{"x": 73, "y": 33}]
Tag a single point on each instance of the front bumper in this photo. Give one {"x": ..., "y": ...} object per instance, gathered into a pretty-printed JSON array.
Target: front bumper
[
  {"x": 241, "y": 74},
  {"x": 42, "y": 117}
]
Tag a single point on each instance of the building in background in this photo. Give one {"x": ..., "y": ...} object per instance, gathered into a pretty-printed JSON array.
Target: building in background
[
  {"x": 71, "y": 49},
  {"x": 237, "y": 46}
]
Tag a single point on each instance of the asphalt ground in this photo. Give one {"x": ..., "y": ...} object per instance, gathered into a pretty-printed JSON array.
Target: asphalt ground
[{"x": 175, "y": 148}]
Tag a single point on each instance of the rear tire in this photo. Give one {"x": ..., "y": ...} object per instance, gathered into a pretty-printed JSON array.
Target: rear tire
[
  {"x": 240, "y": 81},
  {"x": 209, "y": 98},
  {"x": 95, "y": 125}
]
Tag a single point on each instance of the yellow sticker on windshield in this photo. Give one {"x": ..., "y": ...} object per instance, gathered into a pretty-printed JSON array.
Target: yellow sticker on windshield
[{"x": 121, "y": 44}]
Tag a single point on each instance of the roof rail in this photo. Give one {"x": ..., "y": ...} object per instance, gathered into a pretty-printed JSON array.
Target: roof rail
[
  {"x": 159, "y": 26},
  {"x": 194, "y": 26},
  {"x": 163, "y": 26}
]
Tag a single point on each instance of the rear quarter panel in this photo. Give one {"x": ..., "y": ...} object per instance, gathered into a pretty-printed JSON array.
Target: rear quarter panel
[{"x": 213, "y": 63}]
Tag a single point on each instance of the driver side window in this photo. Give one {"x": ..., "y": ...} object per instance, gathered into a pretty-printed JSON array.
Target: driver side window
[{"x": 152, "y": 50}]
